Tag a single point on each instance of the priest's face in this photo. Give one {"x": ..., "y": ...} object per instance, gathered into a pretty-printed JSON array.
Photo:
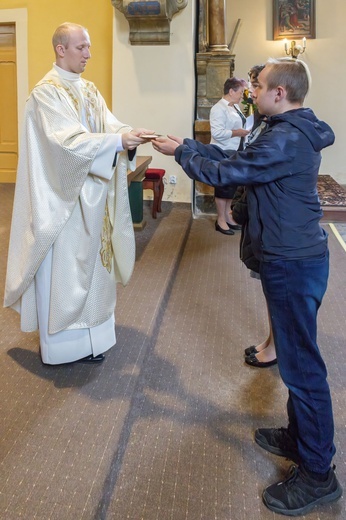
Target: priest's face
[{"x": 75, "y": 56}]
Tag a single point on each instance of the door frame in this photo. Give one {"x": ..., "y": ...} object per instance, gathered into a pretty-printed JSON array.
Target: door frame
[{"x": 20, "y": 18}]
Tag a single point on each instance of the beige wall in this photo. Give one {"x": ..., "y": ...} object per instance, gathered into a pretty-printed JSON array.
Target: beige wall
[{"x": 153, "y": 86}]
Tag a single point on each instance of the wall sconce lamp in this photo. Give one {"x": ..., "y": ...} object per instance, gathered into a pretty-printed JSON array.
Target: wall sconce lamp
[{"x": 294, "y": 50}]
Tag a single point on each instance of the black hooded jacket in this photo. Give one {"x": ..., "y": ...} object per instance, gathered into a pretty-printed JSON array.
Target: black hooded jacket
[{"x": 280, "y": 170}]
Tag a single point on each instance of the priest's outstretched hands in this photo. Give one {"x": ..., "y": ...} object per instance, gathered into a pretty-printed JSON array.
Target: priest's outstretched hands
[{"x": 134, "y": 138}]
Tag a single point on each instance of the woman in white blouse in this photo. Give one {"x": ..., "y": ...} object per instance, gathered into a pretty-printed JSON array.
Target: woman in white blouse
[{"x": 227, "y": 131}]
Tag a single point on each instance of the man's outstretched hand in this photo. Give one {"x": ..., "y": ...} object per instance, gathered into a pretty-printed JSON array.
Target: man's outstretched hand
[{"x": 166, "y": 145}]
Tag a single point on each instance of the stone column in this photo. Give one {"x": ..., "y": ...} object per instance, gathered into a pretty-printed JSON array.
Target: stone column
[
  {"x": 215, "y": 64},
  {"x": 217, "y": 27}
]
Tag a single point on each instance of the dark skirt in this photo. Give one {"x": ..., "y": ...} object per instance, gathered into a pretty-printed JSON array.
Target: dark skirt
[{"x": 225, "y": 192}]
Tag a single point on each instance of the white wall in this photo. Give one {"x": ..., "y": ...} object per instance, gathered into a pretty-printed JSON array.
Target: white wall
[{"x": 153, "y": 86}]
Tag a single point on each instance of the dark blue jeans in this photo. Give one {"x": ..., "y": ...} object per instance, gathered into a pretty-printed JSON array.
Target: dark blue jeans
[{"x": 294, "y": 290}]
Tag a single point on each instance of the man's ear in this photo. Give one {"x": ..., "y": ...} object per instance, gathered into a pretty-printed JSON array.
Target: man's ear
[
  {"x": 60, "y": 50},
  {"x": 280, "y": 93}
]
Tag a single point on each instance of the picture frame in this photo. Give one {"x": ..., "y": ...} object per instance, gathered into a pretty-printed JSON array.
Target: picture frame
[{"x": 294, "y": 19}]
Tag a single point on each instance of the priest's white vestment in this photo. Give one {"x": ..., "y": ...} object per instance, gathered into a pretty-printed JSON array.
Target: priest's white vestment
[{"x": 72, "y": 236}]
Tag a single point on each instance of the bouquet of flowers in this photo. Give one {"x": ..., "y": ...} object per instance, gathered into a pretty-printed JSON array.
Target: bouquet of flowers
[{"x": 249, "y": 105}]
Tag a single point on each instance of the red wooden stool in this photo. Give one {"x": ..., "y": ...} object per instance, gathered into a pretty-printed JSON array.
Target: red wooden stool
[{"x": 153, "y": 180}]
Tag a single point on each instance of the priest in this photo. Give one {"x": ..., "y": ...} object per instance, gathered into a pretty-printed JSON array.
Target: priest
[{"x": 72, "y": 236}]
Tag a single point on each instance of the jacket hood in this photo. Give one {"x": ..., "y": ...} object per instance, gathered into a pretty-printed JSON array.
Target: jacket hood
[{"x": 318, "y": 132}]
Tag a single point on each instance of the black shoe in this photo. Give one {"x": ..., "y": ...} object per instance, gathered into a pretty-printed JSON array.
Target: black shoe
[
  {"x": 253, "y": 362},
  {"x": 277, "y": 441},
  {"x": 92, "y": 359},
  {"x": 299, "y": 493},
  {"x": 250, "y": 350},
  {"x": 236, "y": 227},
  {"x": 224, "y": 231}
]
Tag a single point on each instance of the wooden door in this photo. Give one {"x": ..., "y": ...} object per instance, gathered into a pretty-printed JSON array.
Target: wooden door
[{"x": 8, "y": 104}]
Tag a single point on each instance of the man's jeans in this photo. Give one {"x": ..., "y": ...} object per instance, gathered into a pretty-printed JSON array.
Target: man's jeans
[{"x": 294, "y": 290}]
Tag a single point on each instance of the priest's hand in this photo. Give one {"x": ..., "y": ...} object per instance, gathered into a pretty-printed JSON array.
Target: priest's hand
[
  {"x": 167, "y": 145},
  {"x": 132, "y": 139}
]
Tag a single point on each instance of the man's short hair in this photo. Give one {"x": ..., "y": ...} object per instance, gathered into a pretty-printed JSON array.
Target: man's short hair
[
  {"x": 291, "y": 74},
  {"x": 254, "y": 72},
  {"x": 62, "y": 33},
  {"x": 234, "y": 84}
]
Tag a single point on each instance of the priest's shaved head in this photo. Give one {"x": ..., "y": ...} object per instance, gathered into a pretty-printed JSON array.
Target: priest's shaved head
[{"x": 62, "y": 33}]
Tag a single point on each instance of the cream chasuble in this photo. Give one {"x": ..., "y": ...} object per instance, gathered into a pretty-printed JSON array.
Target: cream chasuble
[{"x": 71, "y": 219}]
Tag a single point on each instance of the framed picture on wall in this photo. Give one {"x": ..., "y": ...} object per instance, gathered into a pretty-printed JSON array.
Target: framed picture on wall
[{"x": 294, "y": 19}]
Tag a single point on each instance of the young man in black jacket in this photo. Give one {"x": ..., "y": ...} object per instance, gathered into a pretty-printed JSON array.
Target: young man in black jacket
[{"x": 280, "y": 170}]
